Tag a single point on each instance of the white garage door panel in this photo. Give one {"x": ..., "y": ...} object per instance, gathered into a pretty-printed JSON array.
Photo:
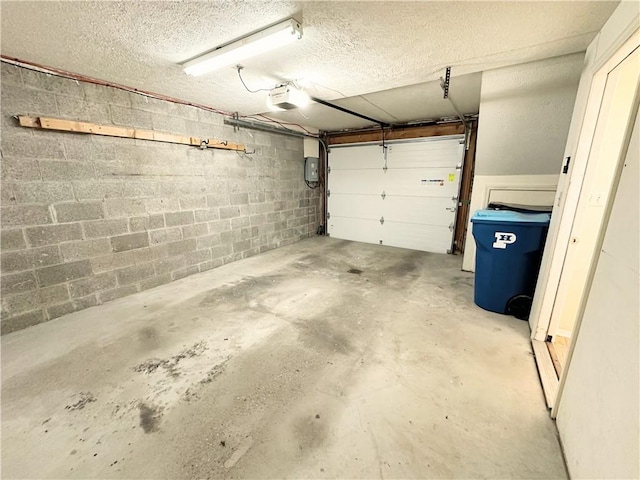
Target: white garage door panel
[
  {"x": 422, "y": 182},
  {"x": 430, "y": 211},
  {"x": 427, "y": 238},
  {"x": 356, "y": 229},
  {"x": 355, "y": 206},
  {"x": 423, "y": 210},
  {"x": 420, "y": 186},
  {"x": 356, "y": 181},
  {"x": 360, "y": 157},
  {"x": 432, "y": 154}
]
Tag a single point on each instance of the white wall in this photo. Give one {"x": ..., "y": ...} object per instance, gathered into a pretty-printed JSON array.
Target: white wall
[
  {"x": 525, "y": 113},
  {"x": 598, "y": 413}
]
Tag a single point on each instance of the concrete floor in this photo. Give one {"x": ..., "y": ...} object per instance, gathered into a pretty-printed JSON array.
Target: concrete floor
[{"x": 282, "y": 365}]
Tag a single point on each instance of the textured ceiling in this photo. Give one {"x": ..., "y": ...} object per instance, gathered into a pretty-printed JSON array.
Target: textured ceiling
[{"x": 380, "y": 58}]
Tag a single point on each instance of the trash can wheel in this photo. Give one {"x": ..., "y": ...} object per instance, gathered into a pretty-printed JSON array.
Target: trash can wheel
[{"x": 520, "y": 306}]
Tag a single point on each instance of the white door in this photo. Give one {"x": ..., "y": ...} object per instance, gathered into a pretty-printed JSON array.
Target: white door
[{"x": 402, "y": 195}]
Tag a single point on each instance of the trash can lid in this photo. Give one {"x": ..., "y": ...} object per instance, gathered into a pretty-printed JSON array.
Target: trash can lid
[{"x": 507, "y": 216}]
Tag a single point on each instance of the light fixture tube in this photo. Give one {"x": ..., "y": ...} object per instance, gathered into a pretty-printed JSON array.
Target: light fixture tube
[{"x": 232, "y": 53}]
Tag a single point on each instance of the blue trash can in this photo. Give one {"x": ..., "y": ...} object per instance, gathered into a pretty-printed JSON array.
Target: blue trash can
[{"x": 509, "y": 248}]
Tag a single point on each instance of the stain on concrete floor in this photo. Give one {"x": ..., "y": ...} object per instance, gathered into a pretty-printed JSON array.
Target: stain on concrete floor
[{"x": 282, "y": 365}]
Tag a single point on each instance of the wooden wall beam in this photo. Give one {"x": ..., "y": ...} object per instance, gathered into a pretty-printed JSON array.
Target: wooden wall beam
[
  {"x": 399, "y": 134},
  {"x": 62, "y": 125}
]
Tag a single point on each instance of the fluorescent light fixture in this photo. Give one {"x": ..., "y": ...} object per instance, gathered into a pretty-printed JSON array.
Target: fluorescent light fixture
[
  {"x": 287, "y": 97},
  {"x": 256, "y": 43}
]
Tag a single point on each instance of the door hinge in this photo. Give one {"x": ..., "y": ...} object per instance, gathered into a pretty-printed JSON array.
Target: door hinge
[
  {"x": 451, "y": 227},
  {"x": 381, "y": 220},
  {"x": 329, "y": 169},
  {"x": 328, "y": 193},
  {"x": 383, "y": 194},
  {"x": 328, "y": 215},
  {"x": 565, "y": 167}
]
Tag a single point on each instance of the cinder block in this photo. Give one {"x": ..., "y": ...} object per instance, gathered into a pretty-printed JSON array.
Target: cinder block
[
  {"x": 124, "y": 207},
  {"x": 208, "y": 241},
  {"x": 26, "y": 302},
  {"x": 18, "y": 282},
  {"x": 44, "y": 193},
  {"x": 181, "y": 247},
  {"x": 59, "y": 170},
  {"x": 26, "y": 145},
  {"x": 130, "y": 117},
  {"x": 85, "y": 249},
  {"x": 19, "y": 322},
  {"x": 229, "y": 212},
  {"x": 130, "y": 241},
  {"x": 64, "y": 272},
  {"x": 73, "y": 306},
  {"x": 31, "y": 258},
  {"x": 222, "y": 250},
  {"x": 155, "y": 281},
  {"x": 168, "y": 265},
  {"x": 72, "y": 212},
  {"x": 105, "y": 228},
  {"x": 217, "y": 200},
  {"x": 240, "y": 222},
  {"x": 146, "y": 222},
  {"x": 241, "y": 246},
  {"x": 114, "y": 261},
  {"x": 92, "y": 190},
  {"x": 102, "y": 94},
  {"x": 12, "y": 239},
  {"x": 83, "y": 110},
  {"x": 51, "y": 83},
  {"x": 134, "y": 274},
  {"x": 140, "y": 188},
  {"x": 206, "y": 116},
  {"x": 185, "y": 272},
  {"x": 257, "y": 220},
  {"x": 193, "y": 202},
  {"x": 149, "y": 104},
  {"x": 239, "y": 198},
  {"x": 165, "y": 235},
  {"x": 52, "y": 234},
  {"x": 93, "y": 284},
  {"x": 166, "y": 123},
  {"x": 10, "y": 74},
  {"x": 198, "y": 256},
  {"x": 157, "y": 205},
  {"x": 19, "y": 100},
  {"x": 197, "y": 230},
  {"x": 178, "y": 218},
  {"x": 207, "y": 215},
  {"x": 256, "y": 197},
  {"x": 203, "y": 267},
  {"x": 114, "y": 293},
  {"x": 23, "y": 169},
  {"x": 18, "y": 215}
]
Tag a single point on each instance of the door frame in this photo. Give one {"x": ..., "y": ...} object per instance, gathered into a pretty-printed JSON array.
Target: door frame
[
  {"x": 570, "y": 185},
  {"x": 569, "y": 198}
]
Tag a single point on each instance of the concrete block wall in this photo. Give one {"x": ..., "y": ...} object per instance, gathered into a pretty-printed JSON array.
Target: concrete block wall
[{"x": 88, "y": 219}]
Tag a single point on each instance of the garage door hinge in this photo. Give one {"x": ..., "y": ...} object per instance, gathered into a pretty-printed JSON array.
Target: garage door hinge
[
  {"x": 451, "y": 227},
  {"x": 458, "y": 166},
  {"x": 383, "y": 194},
  {"x": 328, "y": 215},
  {"x": 329, "y": 169},
  {"x": 328, "y": 193},
  {"x": 381, "y": 220}
]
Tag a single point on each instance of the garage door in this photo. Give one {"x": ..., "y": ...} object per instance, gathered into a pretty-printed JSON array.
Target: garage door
[{"x": 403, "y": 195}]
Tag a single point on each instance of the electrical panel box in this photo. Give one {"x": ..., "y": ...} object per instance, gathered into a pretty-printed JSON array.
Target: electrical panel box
[{"x": 311, "y": 169}]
